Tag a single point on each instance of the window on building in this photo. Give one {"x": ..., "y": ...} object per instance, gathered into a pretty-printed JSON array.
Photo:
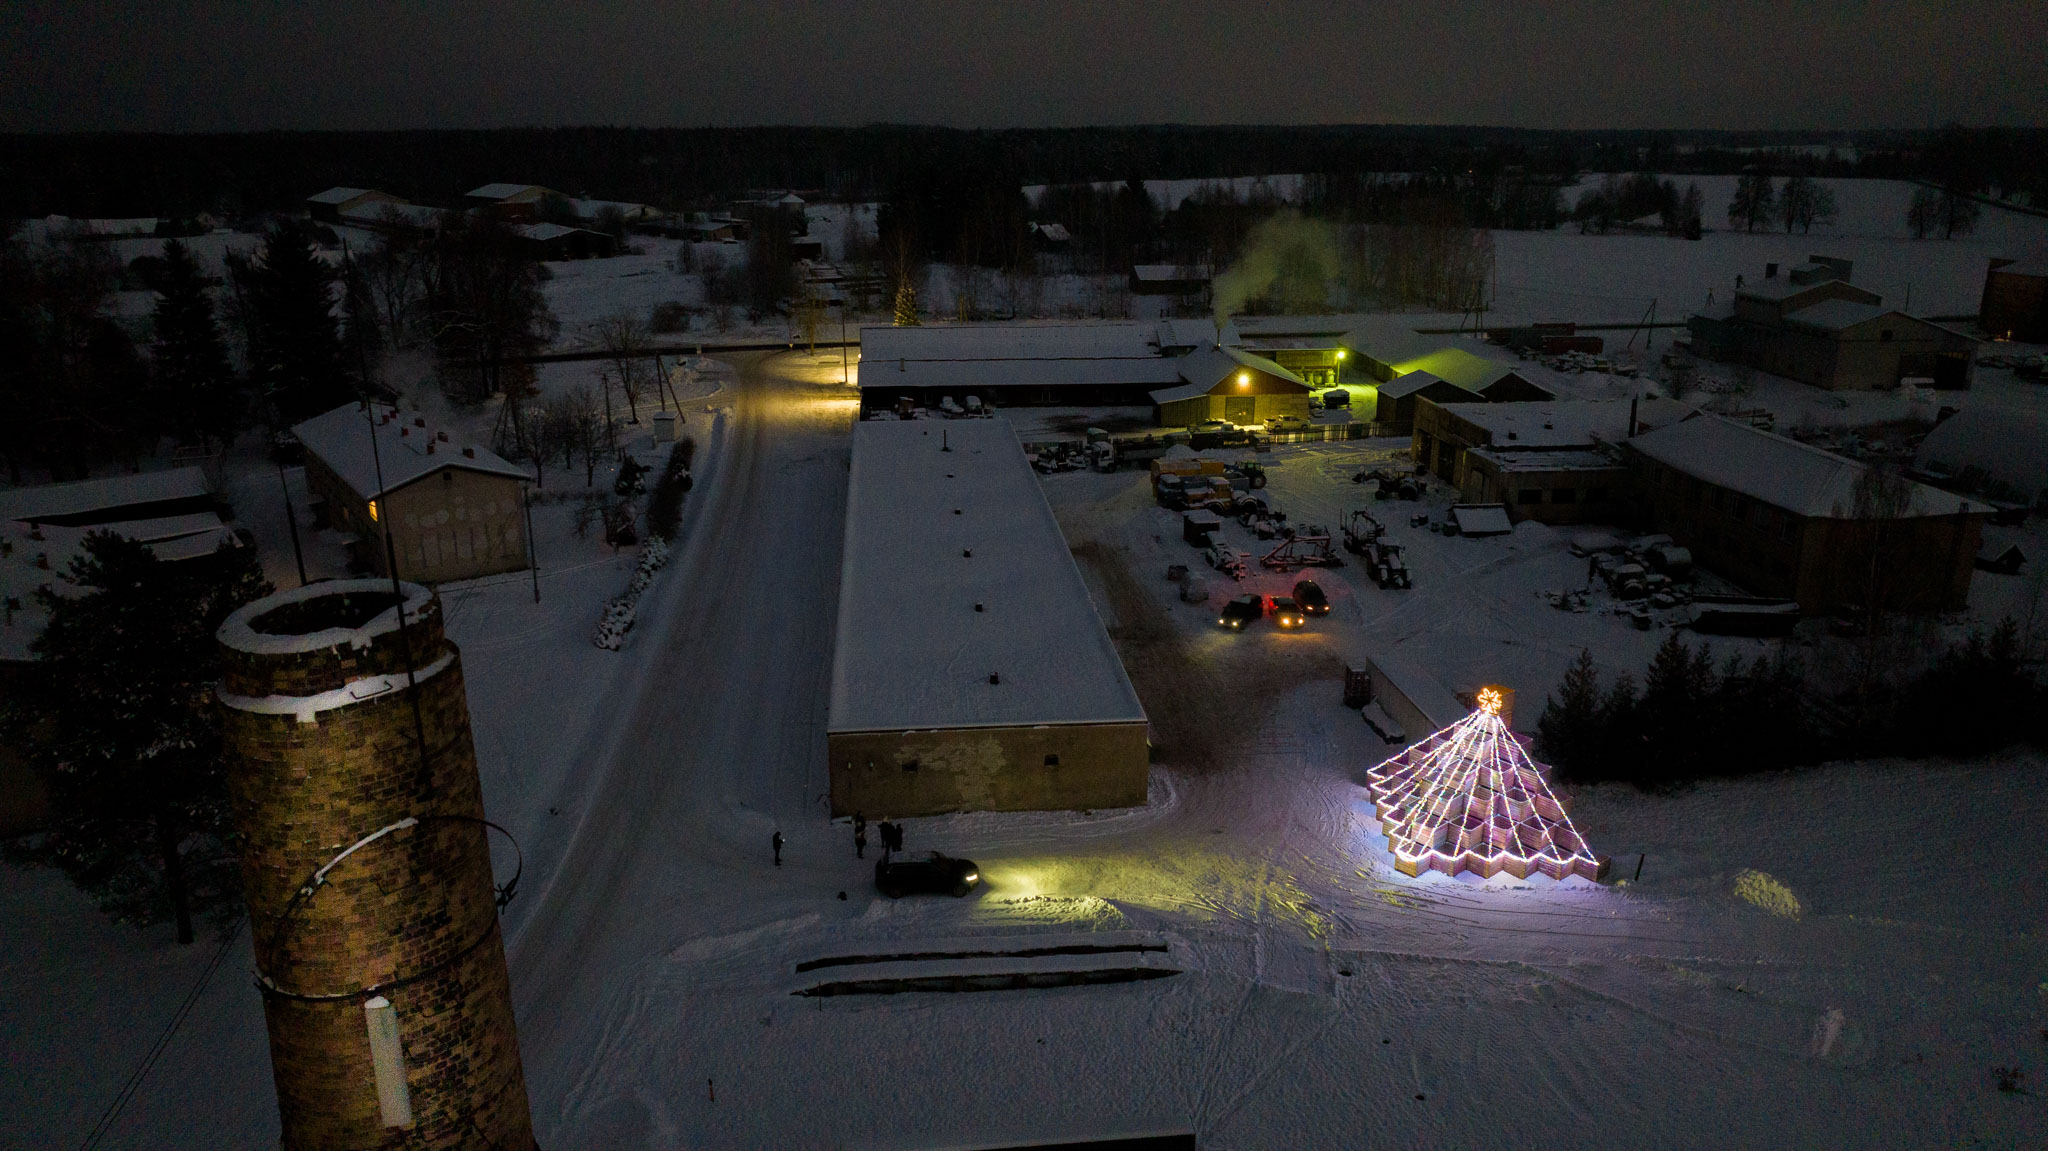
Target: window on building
[
  {"x": 1052, "y": 759},
  {"x": 1529, "y": 496},
  {"x": 910, "y": 765},
  {"x": 1884, "y": 336}
]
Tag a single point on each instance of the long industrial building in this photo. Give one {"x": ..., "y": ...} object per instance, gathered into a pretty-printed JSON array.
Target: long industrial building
[{"x": 971, "y": 671}]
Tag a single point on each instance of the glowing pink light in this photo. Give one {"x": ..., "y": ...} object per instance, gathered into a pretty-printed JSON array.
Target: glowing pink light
[{"x": 1469, "y": 798}]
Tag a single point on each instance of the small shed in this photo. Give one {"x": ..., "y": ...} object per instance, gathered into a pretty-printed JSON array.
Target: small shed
[{"x": 561, "y": 242}]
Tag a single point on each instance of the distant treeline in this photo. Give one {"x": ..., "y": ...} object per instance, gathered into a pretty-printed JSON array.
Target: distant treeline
[{"x": 118, "y": 175}]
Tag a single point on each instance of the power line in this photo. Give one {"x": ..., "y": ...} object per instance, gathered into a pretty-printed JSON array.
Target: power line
[{"x": 162, "y": 1044}]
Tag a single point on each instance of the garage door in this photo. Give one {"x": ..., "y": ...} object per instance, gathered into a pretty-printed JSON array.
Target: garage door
[{"x": 1241, "y": 409}]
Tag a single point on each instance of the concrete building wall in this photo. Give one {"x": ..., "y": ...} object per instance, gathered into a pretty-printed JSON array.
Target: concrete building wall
[
  {"x": 2015, "y": 306},
  {"x": 1050, "y": 767},
  {"x": 1562, "y": 496},
  {"x": 448, "y": 525},
  {"x": 409, "y": 916}
]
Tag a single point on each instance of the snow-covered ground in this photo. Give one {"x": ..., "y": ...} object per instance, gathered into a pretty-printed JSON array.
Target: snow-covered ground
[{"x": 1322, "y": 1000}]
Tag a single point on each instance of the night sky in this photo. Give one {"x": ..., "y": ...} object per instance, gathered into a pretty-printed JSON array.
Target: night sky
[{"x": 163, "y": 65}]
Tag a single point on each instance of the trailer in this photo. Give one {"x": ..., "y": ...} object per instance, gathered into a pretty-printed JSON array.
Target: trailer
[
  {"x": 1360, "y": 529},
  {"x": 1300, "y": 551}
]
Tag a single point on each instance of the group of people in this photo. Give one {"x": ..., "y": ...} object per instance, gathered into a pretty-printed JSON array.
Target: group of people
[{"x": 891, "y": 833}]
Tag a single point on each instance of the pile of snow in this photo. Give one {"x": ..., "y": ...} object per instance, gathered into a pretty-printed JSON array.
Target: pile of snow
[{"x": 621, "y": 612}]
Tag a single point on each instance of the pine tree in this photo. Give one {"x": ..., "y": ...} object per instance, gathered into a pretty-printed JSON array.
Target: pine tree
[
  {"x": 123, "y": 725},
  {"x": 195, "y": 387},
  {"x": 295, "y": 346},
  {"x": 1569, "y": 727},
  {"x": 906, "y": 304}
]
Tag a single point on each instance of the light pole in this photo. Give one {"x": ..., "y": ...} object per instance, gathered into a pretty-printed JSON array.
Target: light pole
[{"x": 292, "y": 521}]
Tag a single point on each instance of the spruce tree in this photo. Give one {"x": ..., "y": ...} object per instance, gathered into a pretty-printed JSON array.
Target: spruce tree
[
  {"x": 195, "y": 387},
  {"x": 1569, "y": 727},
  {"x": 122, "y": 723},
  {"x": 295, "y": 346}
]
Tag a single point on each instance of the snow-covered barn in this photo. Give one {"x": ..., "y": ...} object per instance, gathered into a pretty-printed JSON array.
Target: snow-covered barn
[
  {"x": 1225, "y": 383},
  {"x": 971, "y": 671},
  {"x": 1786, "y": 518},
  {"x": 2015, "y": 304}
]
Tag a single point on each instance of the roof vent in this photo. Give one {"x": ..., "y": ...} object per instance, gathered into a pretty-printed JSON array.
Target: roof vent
[
  {"x": 430, "y": 447},
  {"x": 404, "y": 431},
  {"x": 469, "y": 453},
  {"x": 977, "y": 607},
  {"x": 994, "y": 678},
  {"x": 442, "y": 436},
  {"x": 967, "y": 553},
  {"x": 1514, "y": 435},
  {"x": 419, "y": 421},
  {"x": 1547, "y": 426}
]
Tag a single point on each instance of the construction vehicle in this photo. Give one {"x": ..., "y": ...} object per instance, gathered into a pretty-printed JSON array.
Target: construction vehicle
[
  {"x": 1227, "y": 560},
  {"x": 1300, "y": 551},
  {"x": 1360, "y": 529},
  {"x": 1252, "y": 471},
  {"x": 1385, "y": 565}
]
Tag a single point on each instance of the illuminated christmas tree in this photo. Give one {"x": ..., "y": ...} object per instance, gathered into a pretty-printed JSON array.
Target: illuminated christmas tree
[
  {"x": 906, "y": 304},
  {"x": 1469, "y": 798}
]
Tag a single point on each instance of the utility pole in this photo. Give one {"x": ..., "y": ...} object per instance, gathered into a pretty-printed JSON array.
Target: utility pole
[
  {"x": 532, "y": 545},
  {"x": 292, "y": 521}
]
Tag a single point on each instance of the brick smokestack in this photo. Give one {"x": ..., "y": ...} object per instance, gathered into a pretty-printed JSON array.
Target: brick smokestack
[{"x": 383, "y": 981}]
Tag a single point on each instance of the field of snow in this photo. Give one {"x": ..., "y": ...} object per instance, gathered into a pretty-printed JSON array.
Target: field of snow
[
  {"x": 1828, "y": 958},
  {"x": 1591, "y": 279}
]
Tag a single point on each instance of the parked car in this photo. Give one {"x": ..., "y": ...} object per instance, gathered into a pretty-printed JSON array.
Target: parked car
[
  {"x": 1337, "y": 398},
  {"x": 1245, "y": 609},
  {"x": 925, "y": 871},
  {"x": 1288, "y": 614},
  {"x": 1287, "y": 424},
  {"x": 1309, "y": 595}
]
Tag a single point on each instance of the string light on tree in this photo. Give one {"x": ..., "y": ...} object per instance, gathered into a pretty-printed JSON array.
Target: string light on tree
[{"x": 1469, "y": 798}]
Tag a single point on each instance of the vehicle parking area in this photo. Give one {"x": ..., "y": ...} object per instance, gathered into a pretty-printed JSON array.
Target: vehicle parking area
[{"x": 1513, "y": 608}]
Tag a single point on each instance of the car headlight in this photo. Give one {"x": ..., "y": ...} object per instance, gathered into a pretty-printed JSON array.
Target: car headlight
[{"x": 971, "y": 877}]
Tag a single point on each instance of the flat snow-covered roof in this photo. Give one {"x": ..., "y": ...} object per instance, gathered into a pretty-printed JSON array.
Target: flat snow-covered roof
[
  {"x": 912, "y": 651},
  {"x": 1787, "y": 474},
  {"x": 51, "y": 501},
  {"x": 1116, "y": 340},
  {"x": 1566, "y": 423}
]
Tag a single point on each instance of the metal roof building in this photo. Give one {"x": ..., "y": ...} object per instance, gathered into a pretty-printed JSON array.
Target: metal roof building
[{"x": 971, "y": 670}]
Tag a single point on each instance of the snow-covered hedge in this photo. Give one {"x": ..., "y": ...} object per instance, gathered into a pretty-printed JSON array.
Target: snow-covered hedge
[{"x": 622, "y": 611}]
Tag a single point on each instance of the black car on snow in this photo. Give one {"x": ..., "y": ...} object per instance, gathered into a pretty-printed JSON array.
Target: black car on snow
[
  {"x": 1309, "y": 595},
  {"x": 898, "y": 875}
]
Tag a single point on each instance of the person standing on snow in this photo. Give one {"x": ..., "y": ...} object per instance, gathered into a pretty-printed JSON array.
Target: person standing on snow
[
  {"x": 860, "y": 840},
  {"x": 776, "y": 842}
]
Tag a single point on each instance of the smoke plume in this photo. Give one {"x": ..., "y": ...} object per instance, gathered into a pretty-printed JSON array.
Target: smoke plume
[{"x": 1288, "y": 263}]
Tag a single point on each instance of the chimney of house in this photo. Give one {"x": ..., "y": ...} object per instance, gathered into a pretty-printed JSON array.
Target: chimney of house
[{"x": 1770, "y": 271}]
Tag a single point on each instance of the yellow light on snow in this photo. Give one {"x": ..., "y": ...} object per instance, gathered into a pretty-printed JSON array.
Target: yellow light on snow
[{"x": 373, "y": 511}]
